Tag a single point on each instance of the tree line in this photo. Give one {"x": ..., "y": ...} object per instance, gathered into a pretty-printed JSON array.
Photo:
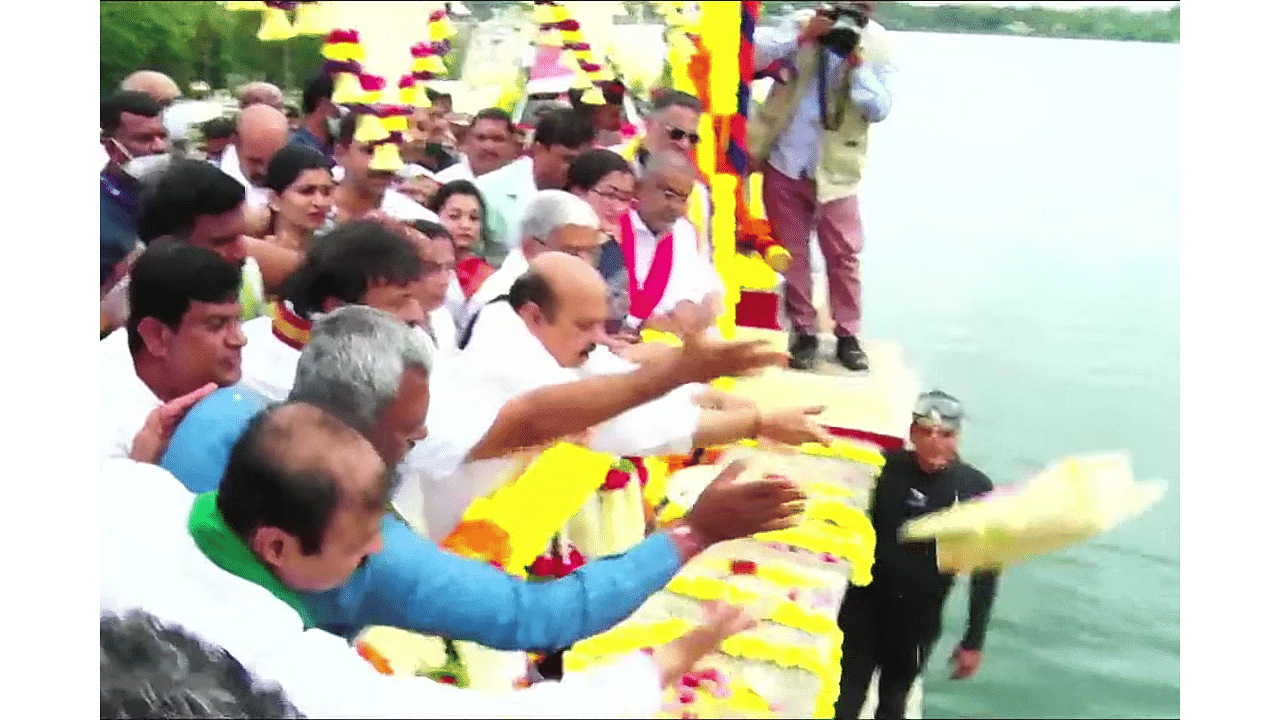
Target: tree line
[{"x": 192, "y": 41}]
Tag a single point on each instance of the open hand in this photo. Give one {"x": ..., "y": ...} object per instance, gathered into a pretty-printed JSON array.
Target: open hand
[
  {"x": 153, "y": 439},
  {"x": 964, "y": 663},
  {"x": 794, "y": 426},
  {"x": 702, "y": 359},
  {"x": 727, "y": 510},
  {"x": 721, "y": 621}
]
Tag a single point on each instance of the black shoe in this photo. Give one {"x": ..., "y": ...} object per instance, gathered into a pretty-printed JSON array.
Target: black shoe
[
  {"x": 804, "y": 352},
  {"x": 850, "y": 354}
]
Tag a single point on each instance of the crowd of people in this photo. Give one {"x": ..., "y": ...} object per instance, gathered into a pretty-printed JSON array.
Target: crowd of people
[{"x": 312, "y": 367}]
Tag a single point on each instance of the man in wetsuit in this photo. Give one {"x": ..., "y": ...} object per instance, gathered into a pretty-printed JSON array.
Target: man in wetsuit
[{"x": 893, "y": 623}]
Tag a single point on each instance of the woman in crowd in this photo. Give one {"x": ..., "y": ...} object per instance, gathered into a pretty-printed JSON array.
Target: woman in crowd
[
  {"x": 301, "y": 196},
  {"x": 607, "y": 182},
  {"x": 461, "y": 208}
]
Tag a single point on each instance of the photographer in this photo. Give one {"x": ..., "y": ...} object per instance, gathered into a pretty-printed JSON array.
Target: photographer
[{"x": 810, "y": 141}]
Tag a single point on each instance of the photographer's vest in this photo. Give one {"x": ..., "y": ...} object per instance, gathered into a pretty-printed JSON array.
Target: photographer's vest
[{"x": 842, "y": 152}]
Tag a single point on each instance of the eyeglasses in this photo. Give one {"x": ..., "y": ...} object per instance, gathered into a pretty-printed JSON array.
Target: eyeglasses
[
  {"x": 676, "y": 135},
  {"x": 614, "y": 195}
]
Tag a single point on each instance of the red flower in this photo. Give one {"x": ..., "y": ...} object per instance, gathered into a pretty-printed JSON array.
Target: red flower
[
  {"x": 793, "y": 595},
  {"x": 641, "y": 471},
  {"x": 575, "y": 561},
  {"x": 544, "y": 567},
  {"x": 616, "y": 480},
  {"x": 448, "y": 680},
  {"x": 569, "y": 25},
  {"x": 742, "y": 567}
]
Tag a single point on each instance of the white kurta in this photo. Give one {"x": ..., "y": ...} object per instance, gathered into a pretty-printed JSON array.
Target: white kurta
[
  {"x": 267, "y": 364},
  {"x": 444, "y": 333},
  {"x": 253, "y": 196},
  {"x": 693, "y": 277},
  {"x": 148, "y": 561},
  {"x": 125, "y": 402},
  {"x": 474, "y": 384}
]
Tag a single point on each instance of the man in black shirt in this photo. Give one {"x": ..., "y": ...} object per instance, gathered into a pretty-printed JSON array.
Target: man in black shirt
[{"x": 893, "y": 623}]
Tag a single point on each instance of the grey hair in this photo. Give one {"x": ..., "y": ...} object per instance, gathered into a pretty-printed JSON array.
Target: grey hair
[
  {"x": 353, "y": 364},
  {"x": 149, "y": 670},
  {"x": 552, "y": 209}
]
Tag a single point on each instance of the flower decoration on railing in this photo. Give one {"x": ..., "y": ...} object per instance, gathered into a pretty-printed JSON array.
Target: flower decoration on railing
[{"x": 560, "y": 559}]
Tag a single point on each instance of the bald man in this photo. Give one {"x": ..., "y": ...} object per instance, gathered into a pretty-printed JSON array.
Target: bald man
[
  {"x": 156, "y": 84},
  {"x": 260, "y": 93},
  {"x": 549, "y": 331},
  {"x": 261, "y": 130},
  {"x": 675, "y": 286}
]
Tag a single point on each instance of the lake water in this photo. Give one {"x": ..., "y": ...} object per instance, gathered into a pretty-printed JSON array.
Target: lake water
[{"x": 1021, "y": 212}]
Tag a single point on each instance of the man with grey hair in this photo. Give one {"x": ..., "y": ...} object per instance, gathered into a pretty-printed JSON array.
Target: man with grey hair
[
  {"x": 148, "y": 669},
  {"x": 369, "y": 368},
  {"x": 554, "y": 220}
]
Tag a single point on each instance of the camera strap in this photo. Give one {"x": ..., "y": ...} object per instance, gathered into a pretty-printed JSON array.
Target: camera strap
[{"x": 842, "y": 103}]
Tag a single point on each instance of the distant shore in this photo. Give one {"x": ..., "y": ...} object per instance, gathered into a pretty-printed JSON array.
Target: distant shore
[{"x": 1101, "y": 23}]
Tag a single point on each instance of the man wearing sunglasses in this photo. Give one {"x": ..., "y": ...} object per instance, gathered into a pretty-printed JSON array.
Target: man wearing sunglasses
[
  {"x": 672, "y": 126},
  {"x": 893, "y": 624},
  {"x": 809, "y": 140}
]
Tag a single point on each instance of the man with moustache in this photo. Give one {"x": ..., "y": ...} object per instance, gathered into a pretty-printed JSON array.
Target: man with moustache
[
  {"x": 183, "y": 337},
  {"x": 362, "y": 189},
  {"x": 893, "y": 623},
  {"x": 488, "y": 145},
  {"x": 261, "y": 130}
]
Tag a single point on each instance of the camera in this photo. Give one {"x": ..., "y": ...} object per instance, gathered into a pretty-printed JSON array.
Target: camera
[{"x": 849, "y": 21}]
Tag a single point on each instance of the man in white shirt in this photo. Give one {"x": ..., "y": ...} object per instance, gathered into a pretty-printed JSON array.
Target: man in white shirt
[
  {"x": 490, "y": 144},
  {"x": 261, "y": 130},
  {"x": 547, "y": 332},
  {"x": 672, "y": 284},
  {"x": 560, "y": 137},
  {"x": 183, "y": 334},
  {"x": 435, "y": 247},
  {"x": 229, "y": 567},
  {"x": 672, "y": 125},
  {"x": 360, "y": 262},
  {"x": 361, "y": 189},
  {"x": 553, "y": 220}
]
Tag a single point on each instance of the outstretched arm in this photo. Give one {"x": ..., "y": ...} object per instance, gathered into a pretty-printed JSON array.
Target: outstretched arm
[{"x": 416, "y": 586}]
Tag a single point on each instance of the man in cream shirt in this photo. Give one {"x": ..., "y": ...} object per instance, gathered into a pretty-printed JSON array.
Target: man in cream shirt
[
  {"x": 183, "y": 336},
  {"x": 560, "y": 137},
  {"x": 228, "y": 566},
  {"x": 547, "y": 333}
]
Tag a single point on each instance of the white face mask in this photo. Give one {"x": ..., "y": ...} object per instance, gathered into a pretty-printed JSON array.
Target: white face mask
[
  {"x": 333, "y": 124},
  {"x": 145, "y": 166}
]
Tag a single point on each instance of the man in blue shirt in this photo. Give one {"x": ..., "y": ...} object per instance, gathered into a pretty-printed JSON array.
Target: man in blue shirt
[
  {"x": 411, "y": 583},
  {"x": 133, "y": 136},
  {"x": 320, "y": 117}
]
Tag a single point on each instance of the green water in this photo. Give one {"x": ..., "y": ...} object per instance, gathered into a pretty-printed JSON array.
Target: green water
[{"x": 1021, "y": 212}]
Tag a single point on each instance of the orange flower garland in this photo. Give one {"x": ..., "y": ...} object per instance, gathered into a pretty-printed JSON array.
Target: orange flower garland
[{"x": 480, "y": 540}]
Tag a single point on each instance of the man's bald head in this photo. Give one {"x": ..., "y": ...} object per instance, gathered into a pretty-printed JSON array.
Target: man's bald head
[
  {"x": 260, "y": 93},
  {"x": 664, "y": 188},
  {"x": 306, "y": 492},
  {"x": 564, "y": 303},
  {"x": 261, "y": 131},
  {"x": 156, "y": 84}
]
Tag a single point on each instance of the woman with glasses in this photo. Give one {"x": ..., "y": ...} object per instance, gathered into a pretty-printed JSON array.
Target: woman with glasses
[{"x": 607, "y": 183}]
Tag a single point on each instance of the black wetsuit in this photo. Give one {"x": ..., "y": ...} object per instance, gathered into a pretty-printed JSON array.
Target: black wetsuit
[{"x": 893, "y": 623}]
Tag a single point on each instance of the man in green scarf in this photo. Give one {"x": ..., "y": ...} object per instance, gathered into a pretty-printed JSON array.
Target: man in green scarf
[{"x": 299, "y": 509}]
